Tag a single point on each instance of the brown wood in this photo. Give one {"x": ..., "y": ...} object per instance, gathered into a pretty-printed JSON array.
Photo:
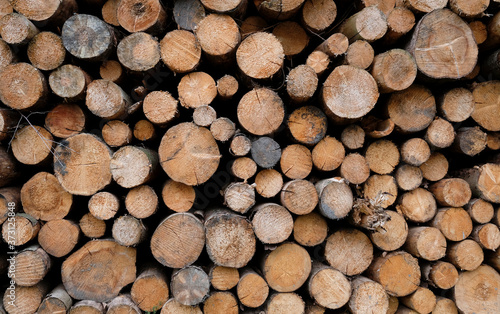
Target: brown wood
[
  {"x": 240, "y": 145},
  {"x": 196, "y": 89},
  {"x": 400, "y": 21},
  {"x": 109, "y": 12},
  {"x": 422, "y": 300},
  {"x": 122, "y": 304},
  {"x": 142, "y": 16},
  {"x": 138, "y": 51},
  {"x": 272, "y": 223},
  {"x": 435, "y": 168},
  {"x": 328, "y": 154},
  {"x": 299, "y": 196},
  {"x": 282, "y": 10},
  {"x": 483, "y": 181},
  {"x": 46, "y": 12},
  {"x": 252, "y": 24},
  {"x": 112, "y": 70},
  {"x": 132, "y": 166},
  {"x": 301, "y": 83},
  {"x": 99, "y": 284},
  {"x": 440, "y": 134},
  {"x": 292, "y": 37},
  {"x": 377, "y": 128},
  {"x": 46, "y": 51},
  {"x": 394, "y": 70},
  {"x": 184, "y": 163},
  {"x": 16, "y": 29},
  {"x": 355, "y": 168},
  {"x": 178, "y": 249},
  {"x": 5, "y": 8},
  {"x": 219, "y": 37},
  {"x": 444, "y": 305},
  {"x": 469, "y": 9},
  {"x": 426, "y": 242},
  {"x": 408, "y": 177},
  {"x": 92, "y": 227},
  {"x": 32, "y": 145},
  {"x": 223, "y": 129},
  {"x": 493, "y": 140},
  {"x": 180, "y": 51},
  {"x": 382, "y": 156},
  {"x": 418, "y": 205},
  {"x": 97, "y": 43},
  {"x": 106, "y": 99},
  {"x": 487, "y": 235},
  {"x": 266, "y": 152},
  {"x": 87, "y": 306},
  {"x": 480, "y": 211},
  {"x": 453, "y": 192},
  {"x": 467, "y": 296},
  {"x": 32, "y": 264},
  {"x": 393, "y": 234},
  {"x": 378, "y": 185},
  {"x": 454, "y": 223},
  {"x": 233, "y": 7},
  {"x": 174, "y": 307},
  {"x": 360, "y": 54},
  {"x": 310, "y": 229},
  {"x": 8, "y": 122},
  {"x": 319, "y": 61},
  {"x": 6, "y": 55},
  {"x": 190, "y": 285},
  {"x": 456, "y": 105},
  {"x": 56, "y": 301},
  {"x": 261, "y": 111},
  {"x": 368, "y": 24},
  {"x": 335, "y": 198},
  {"x": 442, "y": 275},
  {"x": 470, "y": 141},
  {"x": 227, "y": 86},
  {"x": 349, "y": 250},
  {"x": 484, "y": 115},
  {"x": 230, "y": 240},
  {"x": 141, "y": 202},
  {"x": 239, "y": 196},
  {"x": 178, "y": 197},
  {"x": 353, "y": 137},
  {"x": 268, "y": 183},
  {"x": 252, "y": 289},
  {"x": 69, "y": 82},
  {"x": 59, "y": 237},
  {"x": 9, "y": 195},
  {"x": 335, "y": 45},
  {"x": 220, "y": 302},
  {"x": 296, "y": 161},
  {"x": 104, "y": 205},
  {"x": 328, "y": 286},
  {"x": 187, "y": 14},
  {"x": 285, "y": 303},
  {"x": 287, "y": 267},
  {"x": 144, "y": 130},
  {"x": 465, "y": 255},
  {"x": 116, "y": 133},
  {"x": 318, "y": 15},
  {"x": 307, "y": 125},
  {"x": 128, "y": 231},
  {"x": 223, "y": 278},
  {"x": 368, "y": 295},
  {"x": 204, "y": 116},
  {"x": 425, "y": 6},
  {"x": 27, "y": 299},
  {"x": 65, "y": 120}
]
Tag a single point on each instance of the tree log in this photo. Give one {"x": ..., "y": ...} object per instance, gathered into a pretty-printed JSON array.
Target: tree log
[
  {"x": 219, "y": 37},
  {"x": 239, "y": 197},
  {"x": 360, "y": 54},
  {"x": 368, "y": 295},
  {"x": 32, "y": 264},
  {"x": 25, "y": 229},
  {"x": 368, "y": 24},
  {"x": 69, "y": 82},
  {"x": 394, "y": 235},
  {"x": 252, "y": 289},
  {"x": 465, "y": 255},
  {"x": 59, "y": 237},
  {"x": 318, "y": 15},
  {"x": 310, "y": 229},
  {"x": 349, "y": 250},
  {"x": 116, "y": 133},
  {"x": 328, "y": 286},
  {"x": 355, "y": 168},
  {"x": 178, "y": 197},
  {"x": 253, "y": 63},
  {"x": 221, "y": 302},
  {"x": 476, "y": 291},
  {"x": 480, "y": 211},
  {"x": 271, "y": 223},
  {"x": 138, "y": 51},
  {"x": 292, "y": 36},
  {"x": 268, "y": 183},
  {"x": 150, "y": 289},
  {"x": 188, "y": 14},
  {"x": 394, "y": 70},
  {"x": 92, "y": 227},
  {"x": 296, "y": 161},
  {"x": 426, "y": 242},
  {"x": 128, "y": 231},
  {"x": 308, "y": 125},
  {"x": 46, "y": 51},
  {"x": 382, "y": 156},
  {"x": 335, "y": 198},
  {"x": 435, "y": 168},
  {"x": 223, "y": 278},
  {"x": 266, "y": 152},
  {"x": 57, "y": 301},
  {"x": 141, "y": 202},
  {"x": 22, "y": 86},
  {"x": 190, "y": 285},
  {"x": 142, "y": 16}
]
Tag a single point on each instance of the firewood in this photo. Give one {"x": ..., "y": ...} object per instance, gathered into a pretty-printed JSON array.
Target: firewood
[
  {"x": 360, "y": 54},
  {"x": 122, "y": 303},
  {"x": 480, "y": 211},
  {"x": 356, "y": 248},
  {"x": 116, "y": 133},
  {"x": 46, "y": 51},
  {"x": 227, "y": 86},
  {"x": 382, "y": 156},
  {"x": 188, "y": 14},
  {"x": 377, "y": 128},
  {"x": 22, "y": 86},
  {"x": 177, "y": 196},
  {"x": 24, "y": 230},
  {"x": 190, "y": 285},
  {"x": 174, "y": 307},
  {"x": 287, "y": 267},
  {"x": 393, "y": 235},
  {"x": 178, "y": 249},
  {"x": 180, "y": 51},
  {"x": 107, "y": 100},
  {"x": 94, "y": 255},
  {"x": 144, "y": 130},
  {"x": 65, "y": 120},
  {"x": 252, "y": 63},
  {"x": 440, "y": 134},
  {"x": 260, "y": 111},
  {"x": 57, "y": 301},
  {"x": 435, "y": 168},
  {"x": 59, "y": 237},
  {"x": 313, "y": 308},
  {"x": 389, "y": 269},
  {"x": 424, "y": 6},
  {"x": 98, "y": 43},
  {"x": 104, "y": 205},
  {"x": 233, "y": 8},
  {"x": 196, "y": 89},
  {"x": 142, "y": 16},
  {"x": 292, "y": 37},
  {"x": 69, "y": 82},
  {"x": 240, "y": 145},
  {"x": 302, "y": 82},
  {"x": 307, "y": 125},
  {"x": 204, "y": 116},
  {"x": 394, "y": 70},
  {"x": 223, "y": 278},
  {"x": 111, "y": 70},
  {"x": 335, "y": 45},
  {"x": 335, "y": 198},
  {"x": 313, "y": 9},
  {"x": 465, "y": 255},
  {"x": 8, "y": 195},
  {"x": 92, "y": 227},
  {"x": 223, "y": 129},
  {"x": 442, "y": 275},
  {"x": 328, "y": 286},
  {"x": 355, "y": 27},
  {"x": 355, "y": 168},
  {"x": 266, "y": 152},
  {"x": 487, "y": 235},
  {"x": 285, "y": 303},
  {"x": 252, "y": 24},
  {"x": 367, "y": 295},
  {"x": 278, "y": 10},
  {"x": 45, "y": 12},
  {"x": 484, "y": 114},
  {"x": 16, "y": 29},
  {"x": 444, "y": 305},
  {"x": 182, "y": 161},
  {"x": 219, "y": 37},
  {"x": 418, "y": 205},
  {"x": 109, "y": 12},
  {"x": 5, "y": 8},
  {"x": 319, "y": 61},
  {"x": 469, "y": 9},
  {"x": 32, "y": 145},
  {"x": 328, "y": 154},
  {"x": 128, "y": 231},
  {"x": 299, "y": 196},
  {"x": 138, "y": 51},
  {"x": 296, "y": 161},
  {"x": 454, "y": 223},
  {"x": 268, "y": 183},
  {"x": 393, "y": 304},
  {"x": 470, "y": 299},
  {"x": 452, "y": 192},
  {"x": 310, "y": 229},
  {"x": 353, "y": 137},
  {"x": 239, "y": 196},
  {"x": 400, "y": 21},
  {"x": 377, "y": 185},
  {"x": 408, "y": 177},
  {"x": 27, "y": 299},
  {"x": 272, "y": 223},
  {"x": 32, "y": 264},
  {"x": 483, "y": 181},
  {"x": 8, "y": 122},
  {"x": 230, "y": 240},
  {"x": 422, "y": 300},
  {"x": 252, "y": 289},
  {"x": 221, "y": 302},
  {"x": 456, "y": 105},
  {"x": 470, "y": 141},
  {"x": 141, "y": 202},
  {"x": 426, "y": 242},
  {"x": 132, "y": 166}
]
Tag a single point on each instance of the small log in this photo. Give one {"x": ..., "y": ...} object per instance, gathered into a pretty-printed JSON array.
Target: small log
[
  {"x": 20, "y": 230},
  {"x": 116, "y": 133},
  {"x": 355, "y": 168},
  {"x": 418, "y": 205},
  {"x": 272, "y": 223},
  {"x": 223, "y": 278},
  {"x": 9, "y": 195},
  {"x": 92, "y": 227},
  {"x": 69, "y": 82},
  {"x": 32, "y": 264},
  {"x": 356, "y": 26},
  {"x": 221, "y": 302},
  {"x": 150, "y": 290},
  {"x": 252, "y": 289},
  {"x": 16, "y": 29},
  {"x": 172, "y": 306},
  {"x": 413, "y": 109},
  {"x": 57, "y": 301},
  {"x": 312, "y": 308},
  {"x": 22, "y": 86},
  {"x": 287, "y": 267},
  {"x": 400, "y": 21},
  {"x": 138, "y": 52},
  {"x": 444, "y": 306},
  {"x": 425, "y": 6},
  {"x": 65, "y": 120},
  {"x": 97, "y": 42},
  {"x": 408, "y": 177},
  {"x": 435, "y": 168},
  {"x": 484, "y": 115},
  {"x": 178, "y": 249},
  {"x": 5, "y": 8},
  {"x": 177, "y": 196},
  {"x": 493, "y": 140},
  {"x": 46, "y": 51},
  {"x": 426, "y": 242},
  {"x": 128, "y": 231},
  {"x": 196, "y": 89},
  {"x": 335, "y": 198},
  {"x": 122, "y": 303},
  {"x": 292, "y": 37},
  {"x": 109, "y": 12},
  {"x": 353, "y": 137},
  {"x": 142, "y": 16},
  {"x": 382, "y": 156},
  {"x": 394, "y": 70},
  {"x": 440, "y": 134},
  {"x": 144, "y": 130},
  {"x": 230, "y": 240},
  {"x": 307, "y": 125},
  {"x": 239, "y": 196},
  {"x": 470, "y": 141},
  {"x": 360, "y": 54},
  {"x": 368, "y": 295},
  {"x": 319, "y": 61},
  {"x": 189, "y": 154},
  {"x": 483, "y": 181},
  {"x": 469, "y": 298},
  {"x": 160, "y": 107},
  {"x": 389, "y": 269},
  {"x": 180, "y": 51},
  {"x": 104, "y": 205},
  {"x": 111, "y": 70},
  {"x": 252, "y": 24},
  {"x": 282, "y": 10},
  {"x": 349, "y": 250},
  {"x": 301, "y": 83},
  {"x": 243, "y": 168},
  {"x": 261, "y": 111},
  {"x": 328, "y": 154},
  {"x": 219, "y": 37},
  {"x": 285, "y": 303},
  {"x": 442, "y": 275},
  {"x": 250, "y": 60},
  {"x": 6, "y": 55},
  {"x": 393, "y": 235},
  {"x": 27, "y": 299},
  {"x": 107, "y": 100},
  {"x": 479, "y": 31},
  {"x": 223, "y": 129},
  {"x": 188, "y": 14},
  {"x": 296, "y": 161},
  {"x": 465, "y": 255},
  {"x": 335, "y": 95},
  {"x": 204, "y": 116},
  {"x": 318, "y": 15},
  {"x": 233, "y": 8},
  {"x": 100, "y": 283},
  {"x": 453, "y": 192},
  {"x": 335, "y": 45},
  {"x": 422, "y": 300},
  {"x": 268, "y": 183},
  {"x": 299, "y": 196},
  {"x": 44, "y": 198},
  {"x": 59, "y": 237},
  {"x": 310, "y": 229},
  {"x": 377, "y": 185},
  {"x": 487, "y": 235},
  {"x": 32, "y": 145},
  {"x": 328, "y": 286},
  {"x": 141, "y": 202},
  {"x": 46, "y": 12},
  {"x": 227, "y": 86},
  {"x": 469, "y": 9},
  {"x": 457, "y": 104},
  {"x": 132, "y": 166},
  {"x": 190, "y": 285},
  {"x": 480, "y": 211},
  {"x": 266, "y": 152},
  {"x": 240, "y": 145}
]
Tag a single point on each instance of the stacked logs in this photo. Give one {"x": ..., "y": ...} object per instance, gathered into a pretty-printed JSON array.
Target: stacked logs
[{"x": 293, "y": 156}]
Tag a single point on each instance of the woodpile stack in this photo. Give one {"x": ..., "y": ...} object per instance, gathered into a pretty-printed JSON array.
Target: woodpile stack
[{"x": 265, "y": 156}]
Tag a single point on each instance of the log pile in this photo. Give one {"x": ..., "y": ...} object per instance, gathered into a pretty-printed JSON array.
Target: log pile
[{"x": 292, "y": 156}]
